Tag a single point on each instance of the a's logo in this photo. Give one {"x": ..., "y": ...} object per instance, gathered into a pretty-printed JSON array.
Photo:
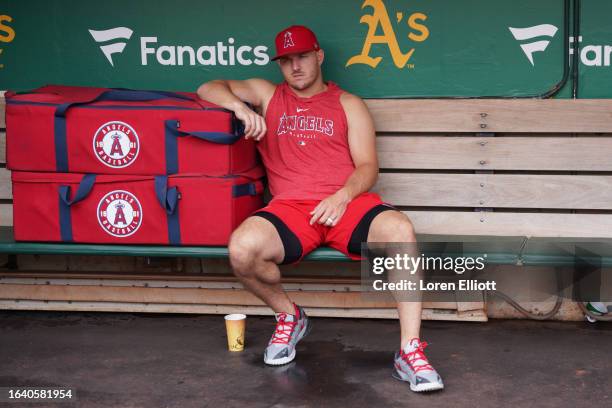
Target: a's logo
[
  {"x": 530, "y": 33},
  {"x": 119, "y": 213},
  {"x": 116, "y": 144},
  {"x": 379, "y": 21},
  {"x": 112, "y": 36},
  {"x": 7, "y": 34},
  {"x": 288, "y": 40}
]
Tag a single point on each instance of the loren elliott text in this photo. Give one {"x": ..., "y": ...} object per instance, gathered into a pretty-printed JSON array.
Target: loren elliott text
[{"x": 407, "y": 285}]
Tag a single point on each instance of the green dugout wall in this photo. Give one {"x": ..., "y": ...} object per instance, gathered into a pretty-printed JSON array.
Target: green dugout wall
[{"x": 374, "y": 48}]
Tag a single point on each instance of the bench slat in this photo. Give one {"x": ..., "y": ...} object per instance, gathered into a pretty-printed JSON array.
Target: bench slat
[
  {"x": 2, "y": 146},
  {"x": 540, "y": 251},
  {"x": 496, "y": 190},
  {"x": 477, "y": 190},
  {"x": 124, "y": 307},
  {"x": 321, "y": 254},
  {"x": 495, "y": 153},
  {"x": 498, "y": 153},
  {"x": 94, "y": 293},
  {"x": 493, "y": 223},
  {"x": 492, "y": 115},
  {"x": 6, "y": 215},
  {"x": 512, "y": 224},
  {"x": 6, "y": 192},
  {"x": 2, "y": 118},
  {"x": 530, "y": 116},
  {"x": 465, "y": 190},
  {"x": 292, "y": 285}
]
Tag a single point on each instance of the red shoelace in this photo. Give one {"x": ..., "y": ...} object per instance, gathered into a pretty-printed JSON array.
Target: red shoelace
[
  {"x": 415, "y": 356},
  {"x": 283, "y": 331}
]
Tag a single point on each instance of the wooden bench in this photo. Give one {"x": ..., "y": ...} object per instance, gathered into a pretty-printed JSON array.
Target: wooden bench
[{"x": 520, "y": 172}]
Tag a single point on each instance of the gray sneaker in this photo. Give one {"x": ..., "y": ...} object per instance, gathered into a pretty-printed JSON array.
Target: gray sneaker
[
  {"x": 412, "y": 366},
  {"x": 290, "y": 328}
]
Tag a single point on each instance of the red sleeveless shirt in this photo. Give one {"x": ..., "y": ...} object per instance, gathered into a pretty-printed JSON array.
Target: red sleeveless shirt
[{"x": 305, "y": 150}]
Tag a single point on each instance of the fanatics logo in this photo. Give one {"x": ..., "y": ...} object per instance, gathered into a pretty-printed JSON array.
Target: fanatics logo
[
  {"x": 119, "y": 213},
  {"x": 116, "y": 144},
  {"x": 113, "y": 37},
  {"x": 288, "y": 40},
  {"x": 531, "y": 33}
]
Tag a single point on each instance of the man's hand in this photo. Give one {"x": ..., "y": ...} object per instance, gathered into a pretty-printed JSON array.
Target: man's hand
[
  {"x": 330, "y": 210},
  {"x": 230, "y": 95},
  {"x": 254, "y": 124}
]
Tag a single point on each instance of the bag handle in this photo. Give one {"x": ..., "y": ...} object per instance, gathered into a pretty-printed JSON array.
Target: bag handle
[
  {"x": 123, "y": 95},
  {"x": 85, "y": 186},
  {"x": 168, "y": 199},
  {"x": 252, "y": 188},
  {"x": 65, "y": 219},
  {"x": 216, "y": 137},
  {"x": 173, "y": 133}
]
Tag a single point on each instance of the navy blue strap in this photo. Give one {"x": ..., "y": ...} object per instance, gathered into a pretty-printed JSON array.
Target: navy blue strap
[
  {"x": 85, "y": 186},
  {"x": 61, "y": 144},
  {"x": 168, "y": 199},
  {"x": 83, "y": 190},
  {"x": 115, "y": 94},
  {"x": 240, "y": 190},
  {"x": 122, "y": 95},
  {"x": 173, "y": 133}
]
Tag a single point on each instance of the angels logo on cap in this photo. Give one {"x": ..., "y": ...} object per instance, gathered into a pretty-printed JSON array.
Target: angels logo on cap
[
  {"x": 294, "y": 40},
  {"x": 116, "y": 144},
  {"x": 288, "y": 40},
  {"x": 119, "y": 213}
]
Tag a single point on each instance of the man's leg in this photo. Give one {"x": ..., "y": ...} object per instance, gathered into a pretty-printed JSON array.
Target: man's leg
[
  {"x": 255, "y": 249},
  {"x": 410, "y": 363},
  {"x": 394, "y": 226}
]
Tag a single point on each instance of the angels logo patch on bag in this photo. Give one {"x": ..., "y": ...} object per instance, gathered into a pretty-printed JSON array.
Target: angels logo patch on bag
[
  {"x": 116, "y": 144},
  {"x": 119, "y": 213}
]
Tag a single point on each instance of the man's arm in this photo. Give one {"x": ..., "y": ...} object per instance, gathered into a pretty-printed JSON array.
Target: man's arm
[
  {"x": 362, "y": 144},
  {"x": 232, "y": 95}
]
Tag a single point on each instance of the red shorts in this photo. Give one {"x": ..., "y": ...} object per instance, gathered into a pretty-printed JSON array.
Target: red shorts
[{"x": 291, "y": 218}]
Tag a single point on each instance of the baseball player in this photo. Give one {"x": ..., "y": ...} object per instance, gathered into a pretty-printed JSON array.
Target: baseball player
[{"x": 317, "y": 143}]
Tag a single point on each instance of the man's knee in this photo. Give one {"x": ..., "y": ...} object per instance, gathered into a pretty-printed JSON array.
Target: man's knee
[
  {"x": 244, "y": 252},
  {"x": 402, "y": 230},
  {"x": 392, "y": 226}
]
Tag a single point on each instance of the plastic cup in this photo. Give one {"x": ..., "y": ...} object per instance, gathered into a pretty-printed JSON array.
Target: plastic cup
[{"x": 235, "y": 324}]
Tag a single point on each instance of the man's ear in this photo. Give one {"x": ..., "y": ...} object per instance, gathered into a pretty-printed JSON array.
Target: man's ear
[{"x": 320, "y": 56}]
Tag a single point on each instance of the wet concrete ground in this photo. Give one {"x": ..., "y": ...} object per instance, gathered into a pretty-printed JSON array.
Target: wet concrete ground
[{"x": 161, "y": 360}]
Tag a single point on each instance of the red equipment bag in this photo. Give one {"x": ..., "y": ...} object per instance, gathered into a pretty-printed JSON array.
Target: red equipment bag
[
  {"x": 120, "y": 131},
  {"x": 186, "y": 209}
]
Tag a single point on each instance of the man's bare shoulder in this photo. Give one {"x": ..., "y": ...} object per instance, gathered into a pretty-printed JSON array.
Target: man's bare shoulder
[
  {"x": 256, "y": 91},
  {"x": 352, "y": 103},
  {"x": 261, "y": 84},
  {"x": 260, "y": 89}
]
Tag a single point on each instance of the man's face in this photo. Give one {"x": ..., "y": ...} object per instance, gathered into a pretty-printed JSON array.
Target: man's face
[{"x": 301, "y": 70}]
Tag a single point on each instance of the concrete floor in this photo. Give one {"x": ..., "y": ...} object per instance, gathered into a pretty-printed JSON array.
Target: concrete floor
[{"x": 160, "y": 360}]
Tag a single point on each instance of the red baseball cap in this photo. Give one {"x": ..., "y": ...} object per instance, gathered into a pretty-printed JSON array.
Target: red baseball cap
[{"x": 295, "y": 39}]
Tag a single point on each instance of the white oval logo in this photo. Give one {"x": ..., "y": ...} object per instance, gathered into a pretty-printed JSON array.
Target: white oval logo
[
  {"x": 116, "y": 144},
  {"x": 119, "y": 213}
]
